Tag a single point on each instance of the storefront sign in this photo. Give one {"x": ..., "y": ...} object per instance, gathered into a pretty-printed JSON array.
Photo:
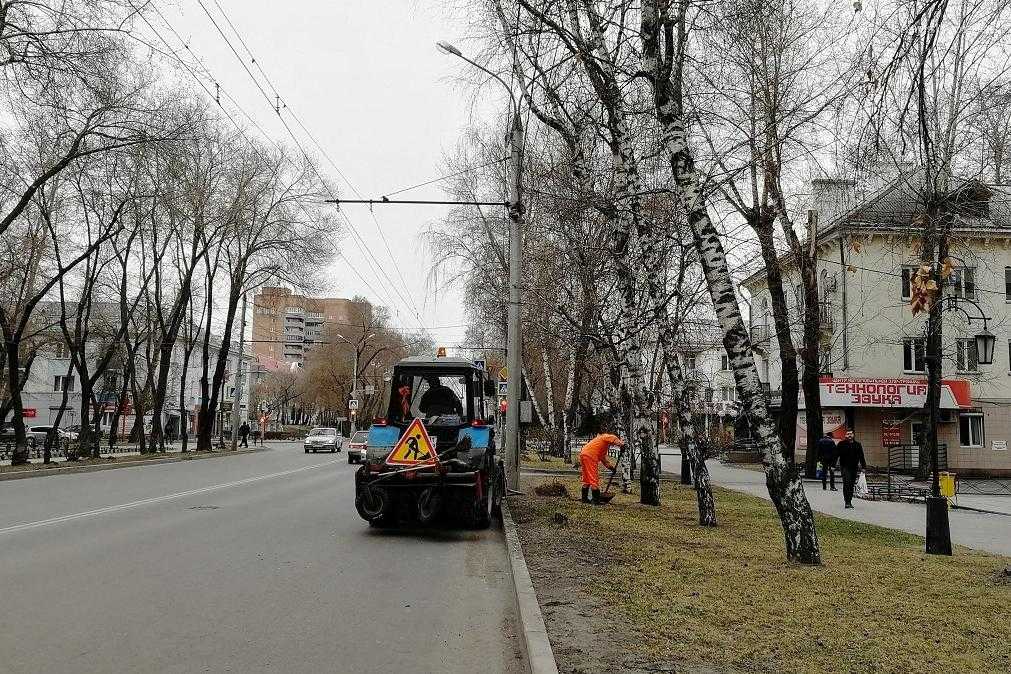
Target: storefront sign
[
  {"x": 833, "y": 422},
  {"x": 29, "y": 413},
  {"x": 891, "y": 433},
  {"x": 904, "y": 393}
]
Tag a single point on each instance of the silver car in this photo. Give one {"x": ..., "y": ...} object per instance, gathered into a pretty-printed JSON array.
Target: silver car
[{"x": 323, "y": 439}]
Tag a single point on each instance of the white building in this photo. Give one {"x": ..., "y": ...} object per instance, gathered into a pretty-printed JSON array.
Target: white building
[{"x": 873, "y": 370}]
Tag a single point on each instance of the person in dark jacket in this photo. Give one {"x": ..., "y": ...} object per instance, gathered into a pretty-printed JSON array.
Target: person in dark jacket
[
  {"x": 851, "y": 458},
  {"x": 827, "y": 456},
  {"x": 244, "y": 434}
]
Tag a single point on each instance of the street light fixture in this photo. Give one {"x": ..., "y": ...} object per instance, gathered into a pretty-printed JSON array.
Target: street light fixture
[
  {"x": 354, "y": 373},
  {"x": 514, "y": 363}
]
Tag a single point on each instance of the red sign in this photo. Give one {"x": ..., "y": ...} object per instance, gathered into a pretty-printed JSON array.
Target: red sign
[
  {"x": 905, "y": 393},
  {"x": 891, "y": 433},
  {"x": 29, "y": 413}
]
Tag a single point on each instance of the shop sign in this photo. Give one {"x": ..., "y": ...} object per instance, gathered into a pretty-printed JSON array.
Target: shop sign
[
  {"x": 833, "y": 422},
  {"x": 891, "y": 433},
  {"x": 904, "y": 393}
]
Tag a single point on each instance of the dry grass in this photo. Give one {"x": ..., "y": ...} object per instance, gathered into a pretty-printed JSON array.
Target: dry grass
[
  {"x": 725, "y": 597},
  {"x": 550, "y": 463}
]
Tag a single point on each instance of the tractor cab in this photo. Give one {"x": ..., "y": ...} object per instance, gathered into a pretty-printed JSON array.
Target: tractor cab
[{"x": 446, "y": 405}]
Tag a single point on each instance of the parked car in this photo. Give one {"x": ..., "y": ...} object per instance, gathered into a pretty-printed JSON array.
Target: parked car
[
  {"x": 325, "y": 439},
  {"x": 356, "y": 446},
  {"x": 7, "y": 436},
  {"x": 40, "y": 433}
]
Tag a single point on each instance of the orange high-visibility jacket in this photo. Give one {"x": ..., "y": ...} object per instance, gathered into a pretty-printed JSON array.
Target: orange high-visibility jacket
[{"x": 594, "y": 452}]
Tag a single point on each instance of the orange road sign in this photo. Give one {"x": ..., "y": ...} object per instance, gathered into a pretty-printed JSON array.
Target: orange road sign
[{"x": 414, "y": 447}]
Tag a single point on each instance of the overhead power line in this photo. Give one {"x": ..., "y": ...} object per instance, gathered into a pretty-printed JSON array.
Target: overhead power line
[{"x": 276, "y": 106}]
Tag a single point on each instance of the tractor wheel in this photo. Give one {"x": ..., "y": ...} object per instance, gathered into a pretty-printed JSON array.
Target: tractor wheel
[
  {"x": 372, "y": 503},
  {"x": 429, "y": 503},
  {"x": 484, "y": 508}
]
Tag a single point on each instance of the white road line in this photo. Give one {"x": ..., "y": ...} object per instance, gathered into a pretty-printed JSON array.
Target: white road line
[{"x": 156, "y": 499}]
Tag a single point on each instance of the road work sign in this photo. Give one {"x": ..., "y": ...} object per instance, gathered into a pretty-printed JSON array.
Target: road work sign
[{"x": 414, "y": 447}]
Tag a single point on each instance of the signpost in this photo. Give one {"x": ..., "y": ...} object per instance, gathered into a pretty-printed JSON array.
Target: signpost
[{"x": 891, "y": 433}]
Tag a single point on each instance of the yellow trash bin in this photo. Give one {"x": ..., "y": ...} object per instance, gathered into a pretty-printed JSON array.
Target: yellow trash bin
[{"x": 947, "y": 484}]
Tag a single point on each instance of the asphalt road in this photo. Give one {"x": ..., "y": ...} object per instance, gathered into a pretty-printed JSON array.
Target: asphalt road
[{"x": 242, "y": 564}]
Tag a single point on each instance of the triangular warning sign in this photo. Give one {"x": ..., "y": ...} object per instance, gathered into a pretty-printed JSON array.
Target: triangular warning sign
[{"x": 414, "y": 447}]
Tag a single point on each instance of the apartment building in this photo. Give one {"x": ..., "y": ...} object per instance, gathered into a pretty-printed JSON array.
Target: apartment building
[
  {"x": 873, "y": 377},
  {"x": 287, "y": 325}
]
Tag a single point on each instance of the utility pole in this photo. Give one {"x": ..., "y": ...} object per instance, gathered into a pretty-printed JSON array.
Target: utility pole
[
  {"x": 514, "y": 338},
  {"x": 237, "y": 394},
  {"x": 354, "y": 393}
]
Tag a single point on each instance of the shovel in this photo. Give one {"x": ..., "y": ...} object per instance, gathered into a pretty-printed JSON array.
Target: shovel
[{"x": 606, "y": 496}]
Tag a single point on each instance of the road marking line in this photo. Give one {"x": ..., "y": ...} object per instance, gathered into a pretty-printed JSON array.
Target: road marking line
[{"x": 156, "y": 499}]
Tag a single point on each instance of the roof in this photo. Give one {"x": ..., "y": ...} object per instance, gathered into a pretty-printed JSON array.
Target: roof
[{"x": 432, "y": 362}]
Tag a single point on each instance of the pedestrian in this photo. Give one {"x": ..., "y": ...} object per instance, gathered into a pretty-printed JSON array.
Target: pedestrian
[
  {"x": 244, "y": 434},
  {"x": 827, "y": 455},
  {"x": 851, "y": 458},
  {"x": 592, "y": 453}
]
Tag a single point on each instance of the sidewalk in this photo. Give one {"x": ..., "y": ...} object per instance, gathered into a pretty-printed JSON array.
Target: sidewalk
[{"x": 980, "y": 531}]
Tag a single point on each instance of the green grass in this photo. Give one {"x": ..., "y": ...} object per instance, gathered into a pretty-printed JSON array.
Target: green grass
[{"x": 726, "y": 597}]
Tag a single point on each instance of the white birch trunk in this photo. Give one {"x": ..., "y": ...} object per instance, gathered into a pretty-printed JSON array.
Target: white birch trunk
[
  {"x": 570, "y": 387},
  {"x": 785, "y": 486},
  {"x": 549, "y": 398}
]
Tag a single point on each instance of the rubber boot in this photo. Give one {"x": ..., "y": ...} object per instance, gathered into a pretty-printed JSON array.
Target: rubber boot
[
  {"x": 596, "y": 497},
  {"x": 586, "y": 495}
]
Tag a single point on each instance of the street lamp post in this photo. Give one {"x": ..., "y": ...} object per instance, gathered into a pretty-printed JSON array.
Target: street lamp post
[
  {"x": 514, "y": 360},
  {"x": 354, "y": 374},
  {"x": 938, "y": 531}
]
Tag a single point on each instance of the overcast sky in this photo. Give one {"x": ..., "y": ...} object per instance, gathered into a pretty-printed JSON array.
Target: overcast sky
[{"x": 366, "y": 80}]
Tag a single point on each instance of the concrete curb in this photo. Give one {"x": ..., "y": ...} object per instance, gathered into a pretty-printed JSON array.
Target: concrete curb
[
  {"x": 70, "y": 470},
  {"x": 540, "y": 657}
]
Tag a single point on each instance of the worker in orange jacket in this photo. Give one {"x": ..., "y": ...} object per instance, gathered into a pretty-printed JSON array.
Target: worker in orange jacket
[{"x": 592, "y": 453}]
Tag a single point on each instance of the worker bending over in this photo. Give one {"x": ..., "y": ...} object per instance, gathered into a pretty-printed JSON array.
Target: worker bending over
[{"x": 592, "y": 453}]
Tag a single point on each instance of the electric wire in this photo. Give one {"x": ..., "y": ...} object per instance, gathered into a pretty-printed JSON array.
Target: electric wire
[
  {"x": 218, "y": 89},
  {"x": 277, "y": 108}
]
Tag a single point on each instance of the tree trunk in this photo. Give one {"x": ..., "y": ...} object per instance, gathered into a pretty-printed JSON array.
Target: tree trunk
[
  {"x": 762, "y": 224},
  {"x": 785, "y": 486},
  {"x": 19, "y": 456}
]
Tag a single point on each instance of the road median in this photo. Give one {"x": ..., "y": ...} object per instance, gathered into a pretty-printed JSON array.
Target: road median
[
  {"x": 109, "y": 463},
  {"x": 633, "y": 588}
]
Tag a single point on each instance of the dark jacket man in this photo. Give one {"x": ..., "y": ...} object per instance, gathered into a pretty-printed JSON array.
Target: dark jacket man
[
  {"x": 244, "y": 434},
  {"x": 827, "y": 455},
  {"x": 851, "y": 457}
]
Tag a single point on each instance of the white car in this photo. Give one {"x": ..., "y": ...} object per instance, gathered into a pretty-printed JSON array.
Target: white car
[
  {"x": 40, "y": 433},
  {"x": 323, "y": 439}
]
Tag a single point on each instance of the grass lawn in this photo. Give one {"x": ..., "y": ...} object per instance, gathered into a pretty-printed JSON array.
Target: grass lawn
[
  {"x": 550, "y": 463},
  {"x": 725, "y": 598}
]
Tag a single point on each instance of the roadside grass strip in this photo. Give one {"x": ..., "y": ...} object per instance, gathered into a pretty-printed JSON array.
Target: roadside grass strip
[{"x": 662, "y": 591}]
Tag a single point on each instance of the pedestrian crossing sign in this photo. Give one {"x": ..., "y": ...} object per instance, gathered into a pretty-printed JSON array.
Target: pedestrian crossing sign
[{"x": 414, "y": 447}]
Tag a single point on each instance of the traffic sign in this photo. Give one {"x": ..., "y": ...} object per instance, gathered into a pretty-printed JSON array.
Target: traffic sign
[
  {"x": 370, "y": 390},
  {"x": 503, "y": 388},
  {"x": 480, "y": 364},
  {"x": 353, "y": 404},
  {"x": 503, "y": 374},
  {"x": 414, "y": 447}
]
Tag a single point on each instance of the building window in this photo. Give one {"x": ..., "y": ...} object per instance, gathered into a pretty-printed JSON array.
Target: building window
[
  {"x": 63, "y": 383},
  {"x": 690, "y": 360},
  {"x": 907, "y": 277},
  {"x": 728, "y": 393},
  {"x": 1007, "y": 284},
  {"x": 966, "y": 357},
  {"x": 913, "y": 355},
  {"x": 963, "y": 282},
  {"x": 724, "y": 362},
  {"x": 970, "y": 430}
]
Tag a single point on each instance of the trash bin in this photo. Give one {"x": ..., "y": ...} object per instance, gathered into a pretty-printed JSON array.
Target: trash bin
[{"x": 947, "y": 483}]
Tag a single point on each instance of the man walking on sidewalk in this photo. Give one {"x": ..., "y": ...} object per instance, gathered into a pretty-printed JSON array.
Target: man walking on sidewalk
[
  {"x": 244, "y": 434},
  {"x": 826, "y": 454},
  {"x": 851, "y": 457}
]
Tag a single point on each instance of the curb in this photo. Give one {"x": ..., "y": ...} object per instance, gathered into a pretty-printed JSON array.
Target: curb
[
  {"x": 540, "y": 657},
  {"x": 70, "y": 470}
]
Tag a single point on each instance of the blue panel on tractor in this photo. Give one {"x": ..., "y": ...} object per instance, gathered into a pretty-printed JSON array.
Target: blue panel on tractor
[
  {"x": 383, "y": 436},
  {"x": 479, "y": 436}
]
